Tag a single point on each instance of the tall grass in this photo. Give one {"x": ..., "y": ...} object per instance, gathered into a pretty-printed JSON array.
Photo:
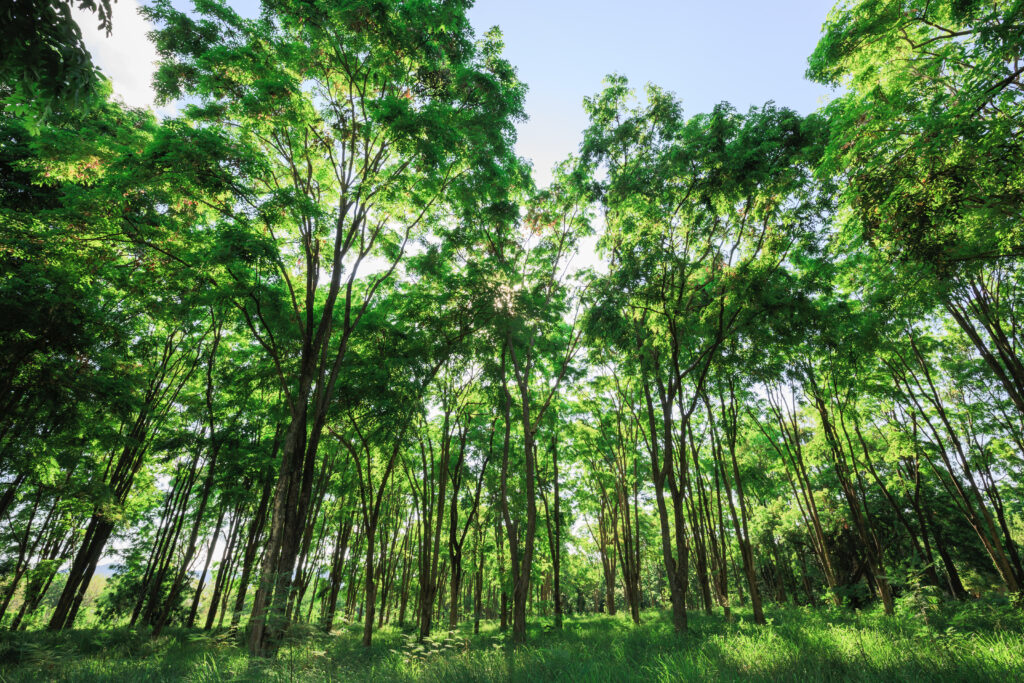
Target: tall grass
[{"x": 970, "y": 643}]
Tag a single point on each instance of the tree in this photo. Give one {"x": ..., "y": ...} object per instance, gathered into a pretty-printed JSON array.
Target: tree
[
  {"x": 45, "y": 65},
  {"x": 702, "y": 217},
  {"x": 357, "y": 127},
  {"x": 540, "y": 345},
  {"x": 928, "y": 142}
]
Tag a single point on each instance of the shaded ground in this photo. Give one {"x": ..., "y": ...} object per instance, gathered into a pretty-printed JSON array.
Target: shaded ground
[{"x": 975, "y": 643}]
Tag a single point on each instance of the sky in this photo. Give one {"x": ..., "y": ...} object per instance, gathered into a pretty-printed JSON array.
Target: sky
[{"x": 745, "y": 52}]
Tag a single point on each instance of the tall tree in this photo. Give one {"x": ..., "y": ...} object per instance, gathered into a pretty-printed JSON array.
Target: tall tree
[
  {"x": 702, "y": 216},
  {"x": 356, "y": 125}
]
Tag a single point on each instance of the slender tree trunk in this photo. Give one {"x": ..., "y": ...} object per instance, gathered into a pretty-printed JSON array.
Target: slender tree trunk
[
  {"x": 256, "y": 525},
  {"x": 337, "y": 566},
  {"x": 225, "y": 572},
  {"x": 202, "y": 577}
]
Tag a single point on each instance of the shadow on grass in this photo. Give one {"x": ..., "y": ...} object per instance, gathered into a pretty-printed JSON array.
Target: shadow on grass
[{"x": 799, "y": 645}]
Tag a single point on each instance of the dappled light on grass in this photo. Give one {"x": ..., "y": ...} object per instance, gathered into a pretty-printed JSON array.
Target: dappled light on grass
[{"x": 799, "y": 644}]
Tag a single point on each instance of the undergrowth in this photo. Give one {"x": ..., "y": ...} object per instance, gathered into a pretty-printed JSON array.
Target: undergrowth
[{"x": 968, "y": 643}]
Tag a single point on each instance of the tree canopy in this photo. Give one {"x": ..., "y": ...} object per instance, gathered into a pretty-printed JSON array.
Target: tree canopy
[{"x": 317, "y": 350}]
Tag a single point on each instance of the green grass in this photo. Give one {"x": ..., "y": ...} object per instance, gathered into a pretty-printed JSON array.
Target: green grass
[{"x": 971, "y": 644}]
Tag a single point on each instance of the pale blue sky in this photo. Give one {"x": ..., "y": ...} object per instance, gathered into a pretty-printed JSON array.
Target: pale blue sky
[{"x": 742, "y": 51}]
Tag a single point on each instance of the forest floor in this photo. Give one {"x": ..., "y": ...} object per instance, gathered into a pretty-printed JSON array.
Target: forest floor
[{"x": 973, "y": 643}]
